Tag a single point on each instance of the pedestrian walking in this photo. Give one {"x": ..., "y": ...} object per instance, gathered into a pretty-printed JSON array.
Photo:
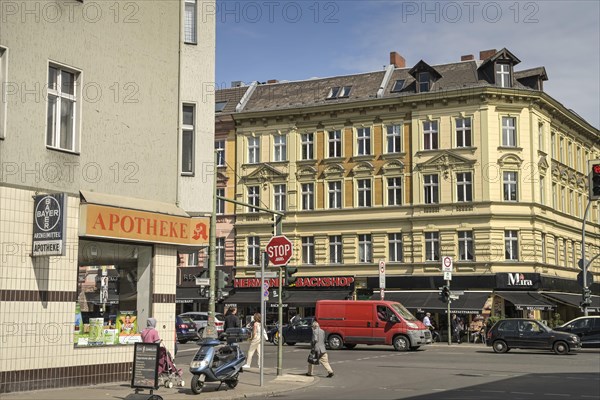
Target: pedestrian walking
[
  {"x": 427, "y": 322},
  {"x": 455, "y": 328},
  {"x": 319, "y": 351},
  {"x": 231, "y": 321},
  {"x": 257, "y": 332}
]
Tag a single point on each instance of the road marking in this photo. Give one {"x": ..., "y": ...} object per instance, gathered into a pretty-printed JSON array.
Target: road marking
[
  {"x": 557, "y": 394},
  {"x": 492, "y": 391},
  {"x": 521, "y": 393}
]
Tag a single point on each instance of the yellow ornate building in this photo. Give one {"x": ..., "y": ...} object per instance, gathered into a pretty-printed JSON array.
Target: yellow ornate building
[{"x": 470, "y": 160}]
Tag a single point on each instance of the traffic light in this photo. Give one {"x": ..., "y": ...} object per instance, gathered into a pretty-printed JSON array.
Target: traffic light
[
  {"x": 290, "y": 280},
  {"x": 586, "y": 297},
  {"x": 222, "y": 279},
  {"x": 595, "y": 180},
  {"x": 444, "y": 294}
]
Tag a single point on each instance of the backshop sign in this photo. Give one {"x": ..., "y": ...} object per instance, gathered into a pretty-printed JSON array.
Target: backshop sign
[{"x": 309, "y": 282}]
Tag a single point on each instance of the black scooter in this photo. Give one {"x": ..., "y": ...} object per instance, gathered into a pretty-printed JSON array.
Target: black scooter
[{"x": 216, "y": 362}]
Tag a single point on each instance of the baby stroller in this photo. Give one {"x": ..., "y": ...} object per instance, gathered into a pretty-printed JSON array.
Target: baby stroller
[{"x": 168, "y": 374}]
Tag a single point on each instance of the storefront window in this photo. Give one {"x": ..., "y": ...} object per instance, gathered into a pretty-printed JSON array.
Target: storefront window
[{"x": 113, "y": 284}]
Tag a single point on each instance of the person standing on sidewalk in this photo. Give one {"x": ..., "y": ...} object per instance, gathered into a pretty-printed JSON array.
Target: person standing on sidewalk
[
  {"x": 231, "y": 321},
  {"x": 318, "y": 347},
  {"x": 257, "y": 332},
  {"x": 456, "y": 331}
]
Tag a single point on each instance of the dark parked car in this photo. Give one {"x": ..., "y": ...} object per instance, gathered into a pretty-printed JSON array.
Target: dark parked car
[
  {"x": 587, "y": 328},
  {"x": 299, "y": 331},
  {"x": 522, "y": 333},
  {"x": 186, "y": 329}
]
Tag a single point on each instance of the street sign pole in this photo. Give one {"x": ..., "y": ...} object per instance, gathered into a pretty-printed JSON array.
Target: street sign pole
[
  {"x": 447, "y": 265},
  {"x": 382, "y": 279},
  {"x": 263, "y": 264},
  {"x": 280, "y": 319},
  {"x": 449, "y": 319}
]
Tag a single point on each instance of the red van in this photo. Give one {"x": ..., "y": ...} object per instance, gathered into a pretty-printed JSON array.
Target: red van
[{"x": 348, "y": 323}]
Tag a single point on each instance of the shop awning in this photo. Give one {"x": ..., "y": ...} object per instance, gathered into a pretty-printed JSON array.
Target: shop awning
[
  {"x": 310, "y": 297},
  {"x": 244, "y": 297},
  {"x": 527, "y": 300},
  {"x": 572, "y": 299},
  {"x": 471, "y": 302},
  {"x": 189, "y": 295},
  {"x": 111, "y": 200}
]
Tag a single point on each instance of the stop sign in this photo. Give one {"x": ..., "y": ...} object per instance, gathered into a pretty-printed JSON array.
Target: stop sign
[{"x": 279, "y": 250}]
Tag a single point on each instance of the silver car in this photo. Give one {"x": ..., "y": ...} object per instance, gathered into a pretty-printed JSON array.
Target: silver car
[{"x": 200, "y": 318}]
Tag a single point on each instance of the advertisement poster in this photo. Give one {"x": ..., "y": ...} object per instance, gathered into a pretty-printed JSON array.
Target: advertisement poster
[
  {"x": 127, "y": 326},
  {"x": 96, "y": 334}
]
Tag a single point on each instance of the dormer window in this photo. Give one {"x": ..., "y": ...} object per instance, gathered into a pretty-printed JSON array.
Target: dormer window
[
  {"x": 398, "y": 85},
  {"x": 338, "y": 92},
  {"x": 503, "y": 78},
  {"x": 424, "y": 81},
  {"x": 220, "y": 105}
]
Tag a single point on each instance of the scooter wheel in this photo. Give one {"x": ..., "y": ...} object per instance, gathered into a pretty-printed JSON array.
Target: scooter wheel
[
  {"x": 197, "y": 384},
  {"x": 168, "y": 384},
  {"x": 232, "y": 384}
]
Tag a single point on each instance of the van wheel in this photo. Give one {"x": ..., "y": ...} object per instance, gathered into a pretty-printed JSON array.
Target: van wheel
[
  {"x": 349, "y": 346},
  {"x": 335, "y": 342},
  {"x": 401, "y": 343},
  {"x": 561, "y": 348},
  {"x": 500, "y": 346}
]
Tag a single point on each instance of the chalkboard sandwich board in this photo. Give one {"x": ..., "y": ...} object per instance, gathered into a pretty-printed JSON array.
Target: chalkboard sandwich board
[{"x": 145, "y": 366}]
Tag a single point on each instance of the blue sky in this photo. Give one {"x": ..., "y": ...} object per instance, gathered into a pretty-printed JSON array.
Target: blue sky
[{"x": 294, "y": 40}]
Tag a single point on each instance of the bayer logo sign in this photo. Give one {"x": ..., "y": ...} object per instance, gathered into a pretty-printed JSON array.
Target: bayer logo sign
[{"x": 47, "y": 213}]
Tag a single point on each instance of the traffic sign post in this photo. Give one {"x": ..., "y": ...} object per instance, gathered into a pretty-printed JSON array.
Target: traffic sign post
[
  {"x": 382, "y": 279},
  {"x": 447, "y": 269}
]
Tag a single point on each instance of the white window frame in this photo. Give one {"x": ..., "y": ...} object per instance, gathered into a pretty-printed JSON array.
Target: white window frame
[
  {"x": 220, "y": 149},
  {"x": 424, "y": 78},
  {"x": 280, "y": 148},
  {"x": 220, "y": 251},
  {"x": 308, "y": 250},
  {"x": 335, "y": 249},
  {"x": 308, "y": 196},
  {"x": 365, "y": 248},
  {"x": 555, "y": 196},
  {"x": 253, "y": 198},
  {"x": 511, "y": 245},
  {"x": 334, "y": 143},
  {"x": 220, "y": 202},
  {"x": 431, "y": 135},
  {"x": 188, "y": 130},
  {"x": 190, "y": 27},
  {"x": 561, "y": 149},
  {"x": 508, "y": 183},
  {"x": 280, "y": 197},
  {"x": 307, "y": 146},
  {"x": 542, "y": 189},
  {"x": 55, "y": 92},
  {"x": 466, "y": 249},
  {"x": 464, "y": 187},
  {"x": 541, "y": 135},
  {"x": 395, "y": 252},
  {"x": 364, "y": 193},
  {"x": 553, "y": 145},
  {"x": 253, "y": 250},
  {"x": 394, "y": 139},
  {"x": 432, "y": 246},
  {"x": 363, "y": 141},
  {"x": 334, "y": 194},
  {"x": 253, "y": 150},
  {"x": 394, "y": 190},
  {"x": 569, "y": 154},
  {"x": 509, "y": 132},
  {"x": 503, "y": 75},
  {"x": 463, "y": 127},
  {"x": 431, "y": 190}
]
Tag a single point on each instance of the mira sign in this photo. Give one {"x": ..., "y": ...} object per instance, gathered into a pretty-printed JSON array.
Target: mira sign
[
  {"x": 516, "y": 280},
  {"x": 49, "y": 223}
]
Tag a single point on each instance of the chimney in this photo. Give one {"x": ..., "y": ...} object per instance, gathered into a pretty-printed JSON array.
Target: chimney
[
  {"x": 397, "y": 60},
  {"x": 468, "y": 57},
  {"x": 485, "y": 54},
  {"x": 272, "y": 81}
]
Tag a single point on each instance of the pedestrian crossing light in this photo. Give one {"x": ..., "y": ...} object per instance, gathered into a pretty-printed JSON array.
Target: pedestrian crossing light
[
  {"x": 595, "y": 180},
  {"x": 222, "y": 279},
  {"x": 444, "y": 294},
  {"x": 290, "y": 279}
]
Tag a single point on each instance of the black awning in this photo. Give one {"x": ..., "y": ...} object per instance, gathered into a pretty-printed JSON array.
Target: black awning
[
  {"x": 244, "y": 297},
  {"x": 189, "y": 295},
  {"x": 471, "y": 302},
  {"x": 310, "y": 297},
  {"x": 573, "y": 299},
  {"x": 527, "y": 300}
]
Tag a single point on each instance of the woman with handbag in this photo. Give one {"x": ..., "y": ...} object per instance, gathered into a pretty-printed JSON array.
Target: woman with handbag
[
  {"x": 257, "y": 331},
  {"x": 318, "y": 353}
]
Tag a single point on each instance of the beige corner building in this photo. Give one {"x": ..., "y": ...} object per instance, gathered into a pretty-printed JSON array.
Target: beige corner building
[
  {"x": 413, "y": 164},
  {"x": 106, "y": 132}
]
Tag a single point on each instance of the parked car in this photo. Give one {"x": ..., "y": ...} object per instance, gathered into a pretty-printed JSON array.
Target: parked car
[
  {"x": 201, "y": 320},
  {"x": 523, "y": 333},
  {"x": 299, "y": 331},
  {"x": 587, "y": 328},
  {"x": 185, "y": 329},
  {"x": 350, "y": 322}
]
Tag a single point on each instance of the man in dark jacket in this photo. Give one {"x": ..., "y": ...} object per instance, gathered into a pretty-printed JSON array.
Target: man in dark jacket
[{"x": 231, "y": 319}]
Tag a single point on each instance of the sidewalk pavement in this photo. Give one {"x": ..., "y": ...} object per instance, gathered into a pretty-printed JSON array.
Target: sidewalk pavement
[{"x": 248, "y": 386}]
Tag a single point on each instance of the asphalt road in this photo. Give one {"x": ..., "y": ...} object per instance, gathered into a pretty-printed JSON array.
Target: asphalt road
[{"x": 439, "y": 371}]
